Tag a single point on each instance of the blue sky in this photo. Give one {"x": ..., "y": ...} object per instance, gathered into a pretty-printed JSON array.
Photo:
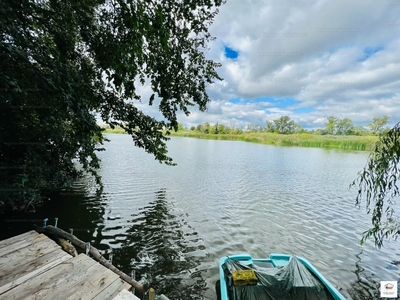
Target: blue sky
[
  {"x": 306, "y": 60},
  {"x": 231, "y": 53}
]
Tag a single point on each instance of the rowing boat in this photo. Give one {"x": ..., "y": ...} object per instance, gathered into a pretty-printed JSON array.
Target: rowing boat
[{"x": 280, "y": 276}]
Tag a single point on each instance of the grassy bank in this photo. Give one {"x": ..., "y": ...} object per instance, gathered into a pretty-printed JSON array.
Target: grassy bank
[
  {"x": 117, "y": 130},
  {"x": 364, "y": 143}
]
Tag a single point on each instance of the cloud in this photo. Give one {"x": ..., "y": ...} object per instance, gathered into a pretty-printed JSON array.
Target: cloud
[{"x": 333, "y": 57}]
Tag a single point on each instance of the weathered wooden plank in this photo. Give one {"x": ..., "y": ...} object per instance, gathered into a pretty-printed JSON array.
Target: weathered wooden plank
[
  {"x": 18, "y": 238},
  {"x": 32, "y": 266},
  {"x": 27, "y": 254},
  {"x": 92, "y": 288},
  {"x": 54, "y": 276},
  {"x": 125, "y": 295},
  {"x": 73, "y": 281},
  {"x": 32, "y": 241},
  {"x": 13, "y": 277},
  {"x": 112, "y": 290}
]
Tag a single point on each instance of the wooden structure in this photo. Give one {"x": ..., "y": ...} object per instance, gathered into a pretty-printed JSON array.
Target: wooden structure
[{"x": 32, "y": 266}]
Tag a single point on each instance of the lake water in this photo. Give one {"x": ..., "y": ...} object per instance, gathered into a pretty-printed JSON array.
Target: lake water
[{"x": 224, "y": 197}]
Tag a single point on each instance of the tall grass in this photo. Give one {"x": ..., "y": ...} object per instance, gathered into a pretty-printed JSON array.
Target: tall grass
[
  {"x": 117, "y": 130},
  {"x": 363, "y": 143}
]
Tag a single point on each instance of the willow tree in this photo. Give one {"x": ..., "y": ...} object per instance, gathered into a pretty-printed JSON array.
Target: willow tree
[
  {"x": 378, "y": 187},
  {"x": 65, "y": 63}
]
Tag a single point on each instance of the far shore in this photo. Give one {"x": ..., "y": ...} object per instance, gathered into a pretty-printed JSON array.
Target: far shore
[{"x": 345, "y": 142}]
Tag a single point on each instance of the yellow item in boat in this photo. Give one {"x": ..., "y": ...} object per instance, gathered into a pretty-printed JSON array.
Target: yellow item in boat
[{"x": 244, "y": 277}]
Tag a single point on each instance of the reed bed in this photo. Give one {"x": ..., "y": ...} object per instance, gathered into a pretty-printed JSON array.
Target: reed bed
[{"x": 362, "y": 143}]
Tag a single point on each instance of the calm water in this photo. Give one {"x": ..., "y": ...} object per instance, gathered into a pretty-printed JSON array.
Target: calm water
[{"x": 174, "y": 223}]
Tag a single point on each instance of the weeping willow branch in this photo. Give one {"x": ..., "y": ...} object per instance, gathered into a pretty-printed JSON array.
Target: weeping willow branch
[{"x": 378, "y": 186}]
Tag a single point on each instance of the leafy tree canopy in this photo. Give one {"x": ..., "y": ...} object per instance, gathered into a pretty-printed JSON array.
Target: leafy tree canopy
[
  {"x": 330, "y": 125},
  {"x": 378, "y": 124},
  {"x": 63, "y": 62},
  {"x": 269, "y": 126},
  {"x": 344, "y": 126},
  {"x": 378, "y": 185},
  {"x": 284, "y": 125},
  {"x": 338, "y": 126}
]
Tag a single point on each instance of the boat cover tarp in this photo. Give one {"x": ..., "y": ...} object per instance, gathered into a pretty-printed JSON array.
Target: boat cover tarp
[{"x": 293, "y": 281}]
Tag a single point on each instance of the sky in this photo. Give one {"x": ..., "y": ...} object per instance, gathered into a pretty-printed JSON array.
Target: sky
[{"x": 304, "y": 59}]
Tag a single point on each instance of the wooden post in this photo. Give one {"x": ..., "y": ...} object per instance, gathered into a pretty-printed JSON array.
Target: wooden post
[
  {"x": 152, "y": 294},
  {"x": 93, "y": 251}
]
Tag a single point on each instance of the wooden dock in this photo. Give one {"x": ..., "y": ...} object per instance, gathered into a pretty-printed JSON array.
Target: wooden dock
[{"x": 33, "y": 266}]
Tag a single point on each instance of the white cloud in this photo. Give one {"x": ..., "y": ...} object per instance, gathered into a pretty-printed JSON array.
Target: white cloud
[{"x": 334, "y": 57}]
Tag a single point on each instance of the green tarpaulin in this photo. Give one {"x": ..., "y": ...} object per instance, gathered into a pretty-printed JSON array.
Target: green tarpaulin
[{"x": 293, "y": 281}]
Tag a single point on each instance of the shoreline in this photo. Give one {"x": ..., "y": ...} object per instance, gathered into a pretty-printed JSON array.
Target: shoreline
[{"x": 359, "y": 143}]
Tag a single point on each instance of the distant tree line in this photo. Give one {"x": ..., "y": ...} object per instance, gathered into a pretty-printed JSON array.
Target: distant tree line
[
  {"x": 215, "y": 129},
  {"x": 284, "y": 125}
]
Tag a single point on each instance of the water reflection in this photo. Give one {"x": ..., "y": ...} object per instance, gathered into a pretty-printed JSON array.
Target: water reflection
[
  {"x": 365, "y": 287},
  {"x": 161, "y": 246},
  {"x": 223, "y": 198},
  {"x": 71, "y": 208}
]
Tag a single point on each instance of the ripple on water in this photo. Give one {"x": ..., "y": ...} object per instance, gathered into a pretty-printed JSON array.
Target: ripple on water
[{"x": 174, "y": 223}]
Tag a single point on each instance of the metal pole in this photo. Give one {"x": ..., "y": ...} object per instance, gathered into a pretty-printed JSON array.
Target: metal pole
[
  {"x": 110, "y": 257},
  {"x": 152, "y": 294},
  {"x": 87, "y": 248},
  {"x": 133, "y": 275}
]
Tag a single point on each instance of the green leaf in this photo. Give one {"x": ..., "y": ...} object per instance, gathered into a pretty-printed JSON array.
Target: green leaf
[{"x": 151, "y": 100}]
